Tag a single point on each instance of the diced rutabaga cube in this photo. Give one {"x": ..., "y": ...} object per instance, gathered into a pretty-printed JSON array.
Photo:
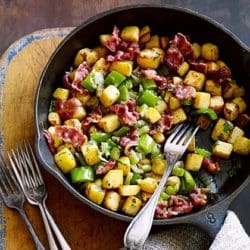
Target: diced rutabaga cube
[
  {"x": 222, "y": 149},
  {"x": 131, "y": 205},
  {"x": 193, "y": 162},
  {"x": 130, "y": 34},
  {"x": 222, "y": 130},
  {"x": 242, "y": 145},
  {"x": 179, "y": 116},
  {"x": 112, "y": 200},
  {"x": 213, "y": 88},
  {"x": 109, "y": 95},
  {"x": 235, "y": 133},
  {"x": 202, "y": 100},
  {"x": 241, "y": 104},
  {"x": 123, "y": 67},
  {"x": 195, "y": 79},
  {"x": 109, "y": 123},
  {"x": 216, "y": 103}
]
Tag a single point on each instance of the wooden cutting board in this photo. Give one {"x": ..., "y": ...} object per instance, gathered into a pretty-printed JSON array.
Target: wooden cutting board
[{"x": 84, "y": 228}]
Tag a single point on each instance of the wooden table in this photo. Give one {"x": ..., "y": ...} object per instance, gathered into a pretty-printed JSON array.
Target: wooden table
[{"x": 18, "y": 18}]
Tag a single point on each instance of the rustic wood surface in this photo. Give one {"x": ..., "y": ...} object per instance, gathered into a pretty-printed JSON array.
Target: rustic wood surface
[{"x": 20, "y": 17}]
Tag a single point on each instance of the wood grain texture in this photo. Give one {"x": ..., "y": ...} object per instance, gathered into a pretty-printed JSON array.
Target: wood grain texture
[{"x": 83, "y": 227}]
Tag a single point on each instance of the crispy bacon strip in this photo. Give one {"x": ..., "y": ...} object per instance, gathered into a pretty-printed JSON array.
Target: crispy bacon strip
[
  {"x": 200, "y": 66},
  {"x": 103, "y": 169},
  {"x": 183, "y": 92},
  {"x": 173, "y": 58},
  {"x": 183, "y": 45},
  {"x": 94, "y": 117},
  {"x": 50, "y": 141},
  {"x": 198, "y": 196},
  {"x": 212, "y": 164}
]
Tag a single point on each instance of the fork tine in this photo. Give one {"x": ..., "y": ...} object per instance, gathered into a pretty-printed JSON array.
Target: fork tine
[
  {"x": 189, "y": 135},
  {"x": 181, "y": 133},
  {"x": 175, "y": 133}
]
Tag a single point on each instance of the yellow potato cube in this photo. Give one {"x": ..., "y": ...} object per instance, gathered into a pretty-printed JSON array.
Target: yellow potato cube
[
  {"x": 109, "y": 95},
  {"x": 239, "y": 91},
  {"x": 159, "y": 137},
  {"x": 123, "y": 67},
  {"x": 183, "y": 69},
  {"x": 67, "y": 145},
  {"x": 235, "y": 133},
  {"x": 54, "y": 118},
  {"x": 90, "y": 153},
  {"x": 109, "y": 123},
  {"x": 102, "y": 66},
  {"x": 149, "y": 58},
  {"x": 65, "y": 160},
  {"x": 101, "y": 51},
  {"x": 113, "y": 179},
  {"x": 61, "y": 94},
  {"x": 130, "y": 34},
  {"x": 210, "y": 51},
  {"x": 241, "y": 104},
  {"x": 202, "y": 100},
  {"x": 104, "y": 38},
  {"x": 229, "y": 90},
  {"x": 128, "y": 190},
  {"x": 154, "y": 42},
  {"x": 241, "y": 146},
  {"x": 75, "y": 123},
  {"x": 131, "y": 206},
  {"x": 216, "y": 103},
  {"x": 83, "y": 98},
  {"x": 222, "y": 130},
  {"x": 179, "y": 116},
  {"x": 148, "y": 184},
  {"x": 193, "y": 162},
  {"x": 196, "y": 50},
  {"x": 152, "y": 115},
  {"x": 57, "y": 141},
  {"x": 94, "y": 193},
  {"x": 144, "y": 30},
  {"x": 213, "y": 88},
  {"x": 212, "y": 67},
  {"x": 112, "y": 200},
  {"x": 231, "y": 111},
  {"x": 174, "y": 103},
  {"x": 195, "y": 79},
  {"x": 145, "y": 38},
  {"x": 161, "y": 106},
  {"x": 222, "y": 149},
  {"x": 80, "y": 113},
  {"x": 159, "y": 166},
  {"x": 86, "y": 54},
  {"x": 124, "y": 165}
]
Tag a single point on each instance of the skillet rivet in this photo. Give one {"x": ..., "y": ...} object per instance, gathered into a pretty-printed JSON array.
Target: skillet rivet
[{"x": 211, "y": 218}]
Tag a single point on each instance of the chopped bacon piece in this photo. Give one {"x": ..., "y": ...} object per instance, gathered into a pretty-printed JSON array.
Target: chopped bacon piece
[
  {"x": 50, "y": 141},
  {"x": 163, "y": 82},
  {"x": 126, "y": 111},
  {"x": 67, "y": 108},
  {"x": 198, "y": 196},
  {"x": 212, "y": 164},
  {"x": 103, "y": 169},
  {"x": 221, "y": 75},
  {"x": 133, "y": 134},
  {"x": 183, "y": 92},
  {"x": 165, "y": 123},
  {"x": 114, "y": 41},
  {"x": 173, "y": 58},
  {"x": 243, "y": 120},
  {"x": 70, "y": 135},
  {"x": 80, "y": 74},
  {"x": 200, "y": 66},
  {"x": 129, "y": 141},
  {"x": 94, "y": 117},
  {"x": 184, "y": 46}
]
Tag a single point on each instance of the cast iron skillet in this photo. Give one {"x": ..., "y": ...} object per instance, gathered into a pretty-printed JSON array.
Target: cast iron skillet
[{"x": 162, "y": 19}]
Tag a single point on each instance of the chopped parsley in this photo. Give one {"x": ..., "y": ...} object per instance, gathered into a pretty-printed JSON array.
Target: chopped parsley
[{"x": 227, "y": 126}]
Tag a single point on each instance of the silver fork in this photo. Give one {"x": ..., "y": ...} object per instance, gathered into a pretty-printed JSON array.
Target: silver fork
[
  {"x": 30, "y": 179},
  {"x": 175, "y": 146},
  {"x": 14, "y": 198}
]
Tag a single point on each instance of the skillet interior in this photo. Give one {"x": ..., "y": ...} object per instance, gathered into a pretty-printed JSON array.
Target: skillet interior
[{"x": 162, "y": 20}]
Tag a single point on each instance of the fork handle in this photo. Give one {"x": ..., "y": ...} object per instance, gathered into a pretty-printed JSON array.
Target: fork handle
[
  {"x": 39, "y": 245},
  {"x": 61, "y": 240},
  {"x": 52, "y": 243},
  {"x": 138, "y": 230}
]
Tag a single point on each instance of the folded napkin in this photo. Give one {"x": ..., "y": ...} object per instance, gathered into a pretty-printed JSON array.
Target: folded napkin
[{"x": 231, "y": 236}]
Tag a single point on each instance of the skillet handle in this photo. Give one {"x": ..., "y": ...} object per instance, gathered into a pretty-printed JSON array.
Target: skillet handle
[{"x": 212, "y": 218}]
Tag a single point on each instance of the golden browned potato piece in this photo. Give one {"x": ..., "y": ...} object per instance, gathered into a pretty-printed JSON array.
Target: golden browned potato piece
[
  {"x": 210, "y": 51},
  {"x": 130, "y": 34},
  {"x": 231, "y": 111}
]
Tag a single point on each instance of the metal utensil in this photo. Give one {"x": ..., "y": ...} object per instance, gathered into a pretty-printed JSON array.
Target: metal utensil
[
  {"x": 139, "y": 228},
  {"x": 13, "y": 197},
  {"x": 28, "y": 174}
]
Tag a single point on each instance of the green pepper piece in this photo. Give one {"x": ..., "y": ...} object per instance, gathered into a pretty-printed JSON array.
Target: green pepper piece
[
  {"x": 124, "y": 94},
  {"x": 172, "y": 190},
  {"x": 148, "y": 83},
  {"x": 128, "y": 178},
  {"x": 82, "y": 174},
  {"x": 122, "y": 131},
  {"x": 156, "y": 152},
  {"x": 135, "y": 178},
  {"x": 187, "y": 182},
  {"x": 163, "y": 196},
  {"x": 148, "y": 97},
  {"x": 205, "y": 111},
  {"x": 203, "y": 152},
  {"x": 140, "y": 123},
  {"x": 111, "y": 143},
  {"x": 146, "y": 168},
  {"x": 115, "y": 78},
  {"x": 187, "y": 102},
  {"x": 105, "y": 149},
  {"x": 99, "y": 136},
  {"x": 146, "y": 143},
  {"x": 143, "y": 130},
  {"x": 93, "y": 79},
  {"x": 115, "y": 153},
  {"x": 128, "y": 83},
  {"x": 134, "y": 157},
  {"x": 177, "y": 171}
]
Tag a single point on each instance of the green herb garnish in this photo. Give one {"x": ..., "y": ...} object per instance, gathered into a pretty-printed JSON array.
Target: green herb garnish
[{"x": 203, "y": 152}]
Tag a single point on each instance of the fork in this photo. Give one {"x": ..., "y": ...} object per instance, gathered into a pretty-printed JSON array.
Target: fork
[
  {"x": 30, "y": 179},
  {"x": 14, "y": 198},
  {"x": 175, "y": 146}
]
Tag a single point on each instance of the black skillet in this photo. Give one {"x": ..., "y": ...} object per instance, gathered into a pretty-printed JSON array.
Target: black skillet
[{"x": 163, "y": 19}]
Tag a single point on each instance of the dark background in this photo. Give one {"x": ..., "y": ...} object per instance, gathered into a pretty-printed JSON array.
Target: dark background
[{"x": 18, "y": 18}]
